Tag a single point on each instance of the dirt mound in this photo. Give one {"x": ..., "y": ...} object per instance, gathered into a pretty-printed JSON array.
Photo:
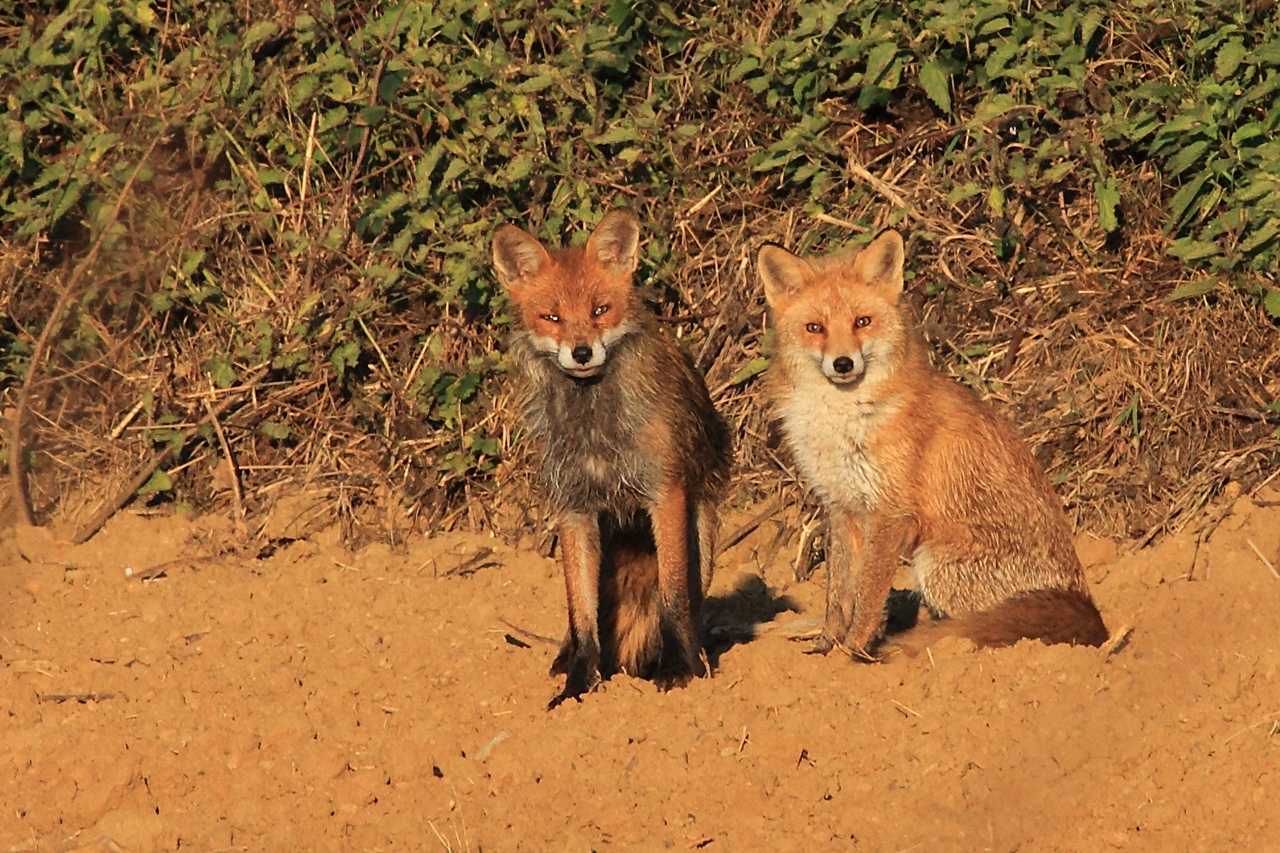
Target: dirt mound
[{"x": 320, "y": 699}]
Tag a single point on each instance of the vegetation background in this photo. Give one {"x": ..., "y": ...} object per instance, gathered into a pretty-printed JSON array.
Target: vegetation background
[{"x": 244, "y": 243}]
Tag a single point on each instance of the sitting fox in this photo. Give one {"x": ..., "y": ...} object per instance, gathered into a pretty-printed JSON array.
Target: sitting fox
[
  {"x": 633, "y": 455},
  {"x": 907, "y": 462}
]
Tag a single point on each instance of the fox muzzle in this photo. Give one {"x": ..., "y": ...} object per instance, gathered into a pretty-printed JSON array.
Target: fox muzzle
[
  {"x": 844, "y": 369},
  {"x": 581, "y": 359}
]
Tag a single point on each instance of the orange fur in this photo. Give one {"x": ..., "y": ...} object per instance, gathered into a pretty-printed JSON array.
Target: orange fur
[
  {"x": 1049, "y": 615},
  {"x": 908, "y": 463}
]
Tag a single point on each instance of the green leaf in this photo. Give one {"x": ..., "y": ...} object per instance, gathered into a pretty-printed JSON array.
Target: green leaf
[
  {"x": 370, "y": 116},
  {"x": 257, "y": 33},
  {"x": 617, "y": 134},
  {"x": 1230, "y": 55},
  {"x": 746, "y": 65},
  {"x": 1262, "y": 185},
  {"x": 995, "y": 202},
  {"x": 536, "y": 84},
  {"x": 1190, "y": 249},
  {"x": 1261, "y": 237},
  {"x": 221, "y": 371},
  {"x": 482, "y": 445},
  {"x": 1192, "y": 289},
  {"x": 1183, "y": 198},
  {"x": 160, "y": 482},
  {"x": 1108, "y": 197},
  {"x": 277, "y": 431},
  {"x": 1058, "y": 172},
  {"x": 519, "y": 168},
  {"x": 1271, "y": 304},
  {"x": 345, "y": 357},
  {"x": 992, "y": 107},
  {"x": 389, "y": 85},
  {"x": 1185, "y": 157},
  {"x": 752, "y": 368},
  {"x": 936, "y": 85},
  {"x": 879, "y": 59}
]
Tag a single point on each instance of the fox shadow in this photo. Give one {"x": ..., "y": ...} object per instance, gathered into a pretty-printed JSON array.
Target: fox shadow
[{"x": 735, "y": 618}]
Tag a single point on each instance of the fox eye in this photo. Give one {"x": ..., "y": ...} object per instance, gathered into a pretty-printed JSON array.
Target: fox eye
[
  {"x": 862, "y": 322},
  {"x": 551, "y": 318},
  {"x": 600, "y": 310},
  {"x": 814, "y": 328}
]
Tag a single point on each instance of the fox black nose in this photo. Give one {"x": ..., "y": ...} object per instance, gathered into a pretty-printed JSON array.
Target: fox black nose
[
  {"x": 582, "y": 353},
  {"x": 843, "y": 364}
]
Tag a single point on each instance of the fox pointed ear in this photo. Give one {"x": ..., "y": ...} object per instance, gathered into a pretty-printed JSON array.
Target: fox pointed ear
[
  {"x": 784, "y": 275},
  {"x": 616, "y": 241},
  {"x": 517, "y": 255},
  {"x": 879, "y": 266}
]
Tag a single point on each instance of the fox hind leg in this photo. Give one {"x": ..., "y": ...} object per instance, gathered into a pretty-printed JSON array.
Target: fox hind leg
[
  {"x": 681, "y": 649},
  {"x": 706, "y": 521}
]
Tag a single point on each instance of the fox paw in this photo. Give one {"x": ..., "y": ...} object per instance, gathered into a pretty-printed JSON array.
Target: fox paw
[
  {"x": 671, "y": 680},
  {"x": 559, "y": 698},
  {"x": 583, "y": 677},
  {"x": 861, "y": 655},
  {"x": 572, "y": 691},
  {"x": 822, "y": 645},
  {"x": 680, "y": 674}
]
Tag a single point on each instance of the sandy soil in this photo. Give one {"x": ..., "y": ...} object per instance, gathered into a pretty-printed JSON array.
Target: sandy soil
[{"x": 319, "y": 699}]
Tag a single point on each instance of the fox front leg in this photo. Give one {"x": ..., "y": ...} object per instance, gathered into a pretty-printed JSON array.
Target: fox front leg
[
  {"x": 681, "y": 650},
  {"x": 885, "y": 539},
  {"x": 579, "y": 658},
  {"x": 844, "y": 548}
]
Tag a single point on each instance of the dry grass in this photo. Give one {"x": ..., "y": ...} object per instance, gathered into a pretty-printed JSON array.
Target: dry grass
[{"x": 1141, "y": 409}]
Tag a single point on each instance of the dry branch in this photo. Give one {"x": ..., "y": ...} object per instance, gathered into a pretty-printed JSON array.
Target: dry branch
[
  {"x": 82, "y": 698},
  {"x": 752, "y": 523},
  {"x": 108, "y": 509},
  {"x": 237, "y": 502},
  {"x": 17, "y": 459}
]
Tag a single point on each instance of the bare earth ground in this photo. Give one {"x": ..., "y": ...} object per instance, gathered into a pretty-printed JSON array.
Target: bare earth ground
[{"x": 326, "y": 700}]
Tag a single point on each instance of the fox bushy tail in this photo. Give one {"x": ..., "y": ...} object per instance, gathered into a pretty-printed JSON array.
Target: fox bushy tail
[{"x": 1050, "y": 615}]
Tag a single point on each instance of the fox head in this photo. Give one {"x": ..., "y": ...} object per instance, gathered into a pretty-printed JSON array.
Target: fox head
[
  {"x": 840, "y": 311},
  {"x": 575, "y": 303}
]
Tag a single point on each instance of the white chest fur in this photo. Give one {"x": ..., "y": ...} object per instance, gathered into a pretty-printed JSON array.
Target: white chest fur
[{"x": 830, "y": 431}]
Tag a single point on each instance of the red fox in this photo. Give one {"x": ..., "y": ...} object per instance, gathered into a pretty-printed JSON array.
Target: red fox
[
  {"x": 633, "y": 455},
  {"x": 909, "y": 463}
]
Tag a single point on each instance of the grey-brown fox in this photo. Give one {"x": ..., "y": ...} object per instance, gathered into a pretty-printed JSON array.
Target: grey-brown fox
[{"x": 633, "y": 455}]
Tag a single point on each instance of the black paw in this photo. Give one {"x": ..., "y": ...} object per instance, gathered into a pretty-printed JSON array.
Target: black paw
[
  {"x": 678, "y": 669},
  {"x": 560, "y": 697},
  {"x": 671, "y": 680},
  {"x": 583, "y": 674}
]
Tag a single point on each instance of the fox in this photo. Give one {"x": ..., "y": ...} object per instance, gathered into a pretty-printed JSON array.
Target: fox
[
  {"x": 907, "y": 463},
  {"x": 632, "y": 454}
]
